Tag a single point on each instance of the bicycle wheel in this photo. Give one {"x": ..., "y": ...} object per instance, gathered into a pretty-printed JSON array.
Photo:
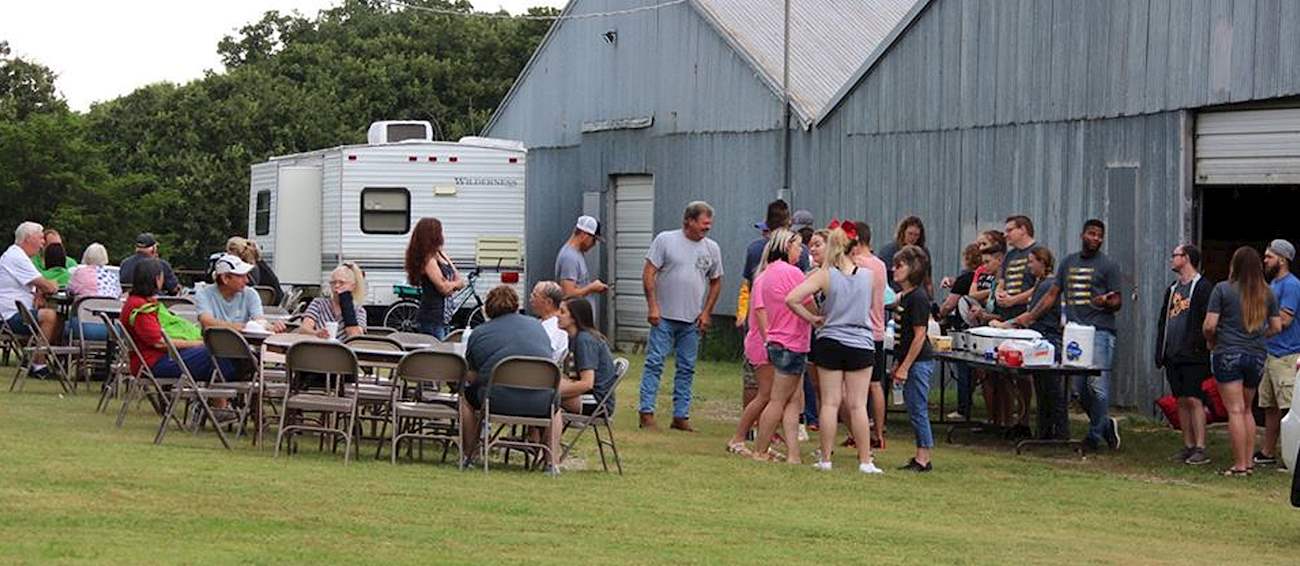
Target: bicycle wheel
[
  {"x": 476, "y": 317},
  {"x": 401, "y": 315}
]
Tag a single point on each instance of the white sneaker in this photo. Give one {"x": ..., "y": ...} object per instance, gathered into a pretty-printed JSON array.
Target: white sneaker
[
  {"x": 822, "y": 466},
  {"x": 870, "y": 468},
  {"x": 803, "y": 433}
]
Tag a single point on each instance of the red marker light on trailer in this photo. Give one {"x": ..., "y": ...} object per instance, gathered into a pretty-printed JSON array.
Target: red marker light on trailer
[
  {"x": 514, "y": 160},
  {"x": 433, "y": 159},
  {"x": 412, "y": 158},
  {"x": 510, "y": 277},
  {"x": 352, "y": 158},
  {"x": 453, "y": 159}
]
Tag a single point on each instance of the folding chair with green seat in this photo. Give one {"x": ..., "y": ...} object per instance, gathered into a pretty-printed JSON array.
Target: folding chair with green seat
[
  {"x": 526, "y": 392},
  {"x": 57, "y": 358},
  {"x": 601, "y": 416},
  {"x": 143, "y": 379},
  {"x": 93, "y": 353},
  {"x": 227, "y": 344},
  {"x": 430, "y": 414},
  {"x": 336, "y": 362},
  {"x": 195, "y": 393}
]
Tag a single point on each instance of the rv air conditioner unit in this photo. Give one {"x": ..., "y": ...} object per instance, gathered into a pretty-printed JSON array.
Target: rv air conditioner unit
[{"x": 393, "y": 131}]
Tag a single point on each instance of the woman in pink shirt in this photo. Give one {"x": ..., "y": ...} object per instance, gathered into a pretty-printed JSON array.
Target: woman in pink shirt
[{"x": 785, "y": 337}]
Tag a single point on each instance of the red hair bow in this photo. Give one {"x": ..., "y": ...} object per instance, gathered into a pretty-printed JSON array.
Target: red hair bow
[{"x": 850, "y": 229}]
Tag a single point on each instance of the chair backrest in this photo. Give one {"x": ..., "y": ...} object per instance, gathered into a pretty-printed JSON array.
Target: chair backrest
[
  {"x": 374, "y": 343},
  {"x": 174, "y": 302},
  {"x": 267, "y": 294},
  {"x": 455, "y": 337},
  {"x": 32, "y": 326},
  {"x": 320, "y": 356},
  {"x": 526, "y": 372},
  {"x": 180, "y": 362},
  {"x": 620, "y": 369},
  {"x": 83, "y": 306},
  {"x": 380, "y": 331},
  {"x": 227, "y": 344},
  {"x": 408, "y": 338},
  {"x": 275, "y": 309},
  {"x": 431, "y": 367},
  {"x": 117, "y": 332}
]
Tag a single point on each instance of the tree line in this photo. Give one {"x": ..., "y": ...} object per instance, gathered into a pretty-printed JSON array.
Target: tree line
[{"x": 174, "y": 159}]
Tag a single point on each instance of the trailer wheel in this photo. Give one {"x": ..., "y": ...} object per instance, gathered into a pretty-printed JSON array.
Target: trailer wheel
[{"x": 401, "y": 315}]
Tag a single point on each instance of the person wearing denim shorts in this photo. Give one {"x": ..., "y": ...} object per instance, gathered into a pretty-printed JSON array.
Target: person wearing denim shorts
[
  {"x": 1238, "y": 348},
  {"x": 785, "y": 342}
]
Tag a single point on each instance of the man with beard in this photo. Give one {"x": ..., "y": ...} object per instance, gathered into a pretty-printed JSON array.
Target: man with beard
[
  {"x": 1283, "y": 348},
  {"x": 1089, "y": 284}
]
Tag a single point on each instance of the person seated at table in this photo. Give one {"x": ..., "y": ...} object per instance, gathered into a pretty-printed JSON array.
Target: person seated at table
[
  {"x": 506, "y": 333},
  {"x": 53, "y": 261},
  {"x": 997, "y": 387},
  {"x": 347, "y": 281},
  {"x": 92, "y": 278},
  {"x": 261, "y": 275},
  {"x": 21, "y": 282},
  {"x": 593, "y": 364},
  {"x": 140, "y": 317},
  {"x": 231, "y": 303},
  {"x": 1044, "y": 316},
  {"x": 545, "y": 302},
  {"x": 146, "y": 246}
]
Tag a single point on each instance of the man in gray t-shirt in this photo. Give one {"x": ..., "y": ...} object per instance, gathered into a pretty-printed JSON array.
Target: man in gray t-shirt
[
  {"x": 682, "y": 279},
  {"x": 571, "y": 266}
]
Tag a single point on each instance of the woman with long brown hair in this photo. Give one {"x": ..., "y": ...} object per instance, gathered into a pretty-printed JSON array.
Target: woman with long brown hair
[
  {"x": 431, "y": 269},
  {"x": 1241, "y": 314}
]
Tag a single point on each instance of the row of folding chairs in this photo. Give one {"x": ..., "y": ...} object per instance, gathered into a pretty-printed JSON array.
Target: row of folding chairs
[{"x": 324, "y": 390}]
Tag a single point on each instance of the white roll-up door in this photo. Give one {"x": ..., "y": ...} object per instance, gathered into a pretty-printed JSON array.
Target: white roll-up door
[
  {"x": 634, "y": 197},
  {"x": 1248, "y": 147}
]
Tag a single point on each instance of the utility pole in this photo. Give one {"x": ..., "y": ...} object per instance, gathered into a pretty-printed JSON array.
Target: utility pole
[{"x": 786, "y": 192}]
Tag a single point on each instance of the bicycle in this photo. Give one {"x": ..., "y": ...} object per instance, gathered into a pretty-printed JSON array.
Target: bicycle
[{"x": 465, "y": 305}]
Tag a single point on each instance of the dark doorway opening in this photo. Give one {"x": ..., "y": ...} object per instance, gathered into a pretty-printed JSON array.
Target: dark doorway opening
[{"x": 1252, "y": 215}]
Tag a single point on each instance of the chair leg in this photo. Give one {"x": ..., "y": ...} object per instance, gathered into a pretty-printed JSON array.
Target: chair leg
[
  {"x": 613, "y": 447},
  {"x": 600, "y": 447},
  {"x": 167, "y": 414},
  {"x": 279, "y": 433}
]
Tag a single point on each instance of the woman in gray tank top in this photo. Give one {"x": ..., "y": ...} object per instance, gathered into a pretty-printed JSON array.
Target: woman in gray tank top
[{"x": 843, "y": 348}]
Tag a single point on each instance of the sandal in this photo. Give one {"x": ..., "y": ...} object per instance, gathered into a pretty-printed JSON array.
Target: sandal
[
  {"x": 1234, "y": 473},
  {"x": 739, "y": 449},
  {"x": 878, "y": 443},
  {"x": 770, "y": 456}
]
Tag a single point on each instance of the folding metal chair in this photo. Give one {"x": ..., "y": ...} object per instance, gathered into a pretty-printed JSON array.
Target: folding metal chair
[
  {"x": 334, "y": 360},
  {"x": 526, "y": 391},
  {"x": 119, "y": 368},
  {"x": 455, "y": 337},
  {"x": 189, "y": 389},
  {"x": 229, "y": 345},
  {"x": 266, "y": 294},
  {"x": 11, "y": 343},
  {"x": 601, "y": 417},
  {"x": 375, "y": 391},
  {"x": 171, "y": 302},
  {"x": 57, "y": 358},
  {"x": 430, "y": 414},
  {"x": 409, "y": 338},
  {"x": 379, "y": 331},
  {"x": 93, "y": 353},
  {"x": 142, "y": 380}
]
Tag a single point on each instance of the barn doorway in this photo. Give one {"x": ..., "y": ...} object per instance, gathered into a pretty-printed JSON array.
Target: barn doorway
[
  {"x": 1246, "y": 215},
  {"x": 633, "y": 229}
]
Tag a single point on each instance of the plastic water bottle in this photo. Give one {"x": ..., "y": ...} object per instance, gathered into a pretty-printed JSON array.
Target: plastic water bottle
[{"x": 898, "y": 393}]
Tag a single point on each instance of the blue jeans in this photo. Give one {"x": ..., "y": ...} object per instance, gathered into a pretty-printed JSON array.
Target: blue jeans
[
  {"x": 16, "y": 324},
  {"x": 197, "y": 360},
  {"x": 433, "y": 329},
  {"x": 95, "y": 331},
  {"x": 809, "y": 399},
  {"x": 1094, "y": 390},
  {"x": 684, "y": 339},
  {"x": 965, "y": 388},
  {"x": 916, "y": 395}
]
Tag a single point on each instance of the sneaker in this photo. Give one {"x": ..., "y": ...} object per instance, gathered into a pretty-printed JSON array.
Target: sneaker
[
  {"x": 803, "y": 433},
  {"x": 955, "y": 416},
  {"x": 1261, "y": 459},
  {"x": 822, "y": 466},
  {"x": 42, "y": 372},
  {"x": 913, "y": 466},
  {"x": 870, "y": 468},
  {"x": 1197, "y": 457},
  {"x": 1112, "y": 434},
  {"x": 1183, "y": 454}
]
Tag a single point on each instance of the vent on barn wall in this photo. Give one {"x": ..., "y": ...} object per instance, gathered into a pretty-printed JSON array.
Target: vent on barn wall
[{"x": 394, "y": 131}]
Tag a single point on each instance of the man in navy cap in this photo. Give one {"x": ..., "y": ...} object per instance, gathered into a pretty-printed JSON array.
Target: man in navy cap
[{"x": 146, "y": 246}]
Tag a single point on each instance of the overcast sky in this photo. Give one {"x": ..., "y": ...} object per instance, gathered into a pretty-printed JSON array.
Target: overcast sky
[{"x": 104, "y": 49}]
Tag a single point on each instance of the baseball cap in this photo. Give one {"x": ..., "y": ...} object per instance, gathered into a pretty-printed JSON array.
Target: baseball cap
[
  {"x": 589, "y": 225},
  {"x": 760, "y": 226},
  {"x": 229, "y": 263},
  {"x": 145, "y": 240},
  {"x": 802, "y": 219}
]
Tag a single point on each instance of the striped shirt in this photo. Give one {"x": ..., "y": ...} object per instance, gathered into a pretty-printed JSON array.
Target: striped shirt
[{"x": 321, "y": 311}]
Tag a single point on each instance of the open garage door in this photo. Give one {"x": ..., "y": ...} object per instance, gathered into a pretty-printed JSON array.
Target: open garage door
[{"x": 633, "y": 229}]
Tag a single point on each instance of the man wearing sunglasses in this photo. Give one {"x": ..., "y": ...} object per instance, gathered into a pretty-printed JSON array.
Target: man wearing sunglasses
[{"x": 231, "y": 303}]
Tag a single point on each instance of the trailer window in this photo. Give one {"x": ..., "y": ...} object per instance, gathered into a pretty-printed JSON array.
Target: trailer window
[
  {"x": 385, "y": 210},
  {"x": 262, "y": 222}
]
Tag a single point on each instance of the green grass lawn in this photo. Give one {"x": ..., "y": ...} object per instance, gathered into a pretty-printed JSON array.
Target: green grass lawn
[{"x": 75, "y": 489}]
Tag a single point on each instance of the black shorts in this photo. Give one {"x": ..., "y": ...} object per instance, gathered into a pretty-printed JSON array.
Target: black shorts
[
  {"x": 879, "y": 365},
  {"x": 834, "y": 356},
  {"x": 1185, "y": 379}
]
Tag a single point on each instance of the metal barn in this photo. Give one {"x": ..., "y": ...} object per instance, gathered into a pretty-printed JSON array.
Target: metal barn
[
  {"x": 1172, "y": 120},
  {"x": 632, "y": 115}
]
